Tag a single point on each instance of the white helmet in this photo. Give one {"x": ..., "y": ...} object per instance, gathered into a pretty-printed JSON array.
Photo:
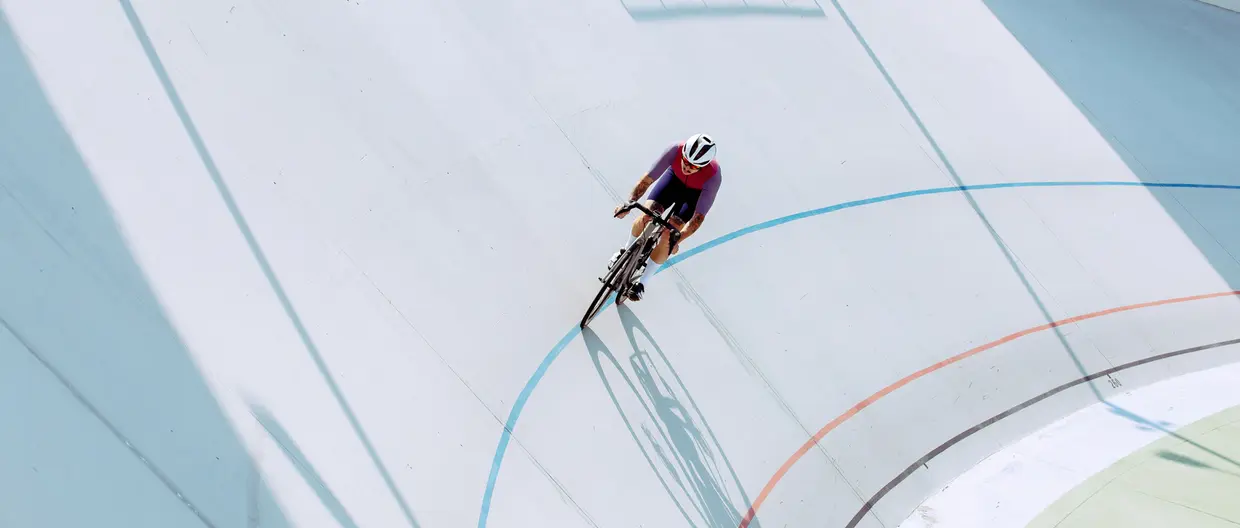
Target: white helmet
[{"x": 699, "y": 149}]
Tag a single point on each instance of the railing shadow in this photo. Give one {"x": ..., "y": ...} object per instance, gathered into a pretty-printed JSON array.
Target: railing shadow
[
  {"x": 1226, "y": 268},
  {"x": 260, "y": 257},
  {"x": 1191, "y": 462},
  {"x": 102, "y": 406},
  {"x": 283, "y": 439},
  {"x": 1220, "y": 244},
  {"x": 671, "y": 430},
  {"x": 1160, "y": 80},
  {"x": 1164, "y": 427}
]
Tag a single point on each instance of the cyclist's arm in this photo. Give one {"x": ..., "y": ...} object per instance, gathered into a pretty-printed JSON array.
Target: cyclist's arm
[
  {"x": 660, "y": 166},
  {"x": 705, "y": 200},
  {"x": 639, "y": 190},
  {"x": 693, "y": 225}
]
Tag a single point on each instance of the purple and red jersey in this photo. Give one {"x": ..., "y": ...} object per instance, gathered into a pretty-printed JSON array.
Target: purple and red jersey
[{"x": 698, "y": 188}]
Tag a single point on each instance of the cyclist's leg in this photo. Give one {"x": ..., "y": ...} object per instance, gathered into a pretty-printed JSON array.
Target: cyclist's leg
[
  {"x": 664, "y": 248},
  {"x": 639, "y": 225},
  {"x": 665, "y": 191},
  {"x": 657, "y": 258},
  {"x": 658, "y": 191},
  {"x": 642, "y": 220}
]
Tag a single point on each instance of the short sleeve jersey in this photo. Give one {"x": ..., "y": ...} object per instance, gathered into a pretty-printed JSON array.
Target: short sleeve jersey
[{"x": 707, "y": 180}]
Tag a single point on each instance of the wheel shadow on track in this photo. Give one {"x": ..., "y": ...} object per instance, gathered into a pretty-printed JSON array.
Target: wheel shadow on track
[{"x": 670, "y": 429}]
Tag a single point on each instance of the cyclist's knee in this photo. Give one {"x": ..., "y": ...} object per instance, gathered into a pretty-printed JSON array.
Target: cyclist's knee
[
  {"x": 639, "y": 224},
  {"x": 662, "y": 249}
]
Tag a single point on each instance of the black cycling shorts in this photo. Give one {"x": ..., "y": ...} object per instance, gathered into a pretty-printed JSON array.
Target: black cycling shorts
[{"x": 670, "y": 190}]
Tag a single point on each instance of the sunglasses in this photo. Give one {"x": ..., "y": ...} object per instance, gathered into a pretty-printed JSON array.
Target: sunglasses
[{"x": 687, "y": 167}]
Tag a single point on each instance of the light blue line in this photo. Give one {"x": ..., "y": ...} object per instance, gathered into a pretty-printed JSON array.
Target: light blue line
[
  {"x": 517, "y": 406},
  {"x": 516, "y": 412},
  {"x": 908, "y": 194}
]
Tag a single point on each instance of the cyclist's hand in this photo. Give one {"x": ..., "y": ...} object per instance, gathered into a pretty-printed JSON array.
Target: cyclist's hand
[
  {"x": 618, "y": 213},
  {"x": 675, "y": 248}
]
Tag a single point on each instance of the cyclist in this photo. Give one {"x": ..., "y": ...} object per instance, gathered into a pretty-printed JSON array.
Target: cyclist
[{"x": 688, "y": 175}]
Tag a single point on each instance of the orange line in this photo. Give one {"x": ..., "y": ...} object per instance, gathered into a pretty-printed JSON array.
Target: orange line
[{"x": 770, "y": 485}]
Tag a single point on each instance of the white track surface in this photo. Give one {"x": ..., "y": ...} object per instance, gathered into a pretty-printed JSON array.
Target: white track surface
[
  {"x": 1013, "y": 486},
  {"x": 297, "y": 262}
]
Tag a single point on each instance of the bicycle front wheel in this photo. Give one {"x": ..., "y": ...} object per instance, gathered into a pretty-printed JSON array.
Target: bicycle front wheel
[{"x": 599, "y": 300}]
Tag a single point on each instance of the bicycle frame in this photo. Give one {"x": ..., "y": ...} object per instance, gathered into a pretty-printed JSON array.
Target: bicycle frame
[
  {"x": 656, "y": 218},
  {"x": 631, "y": 257}
]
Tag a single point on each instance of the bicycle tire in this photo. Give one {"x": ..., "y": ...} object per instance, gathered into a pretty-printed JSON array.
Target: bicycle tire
[
  {"x": 649, "y": 239},
  {"x": 600, "y": 298},
  {"x": 595, "y": 306},
  {"x": 625, "y": 263}
]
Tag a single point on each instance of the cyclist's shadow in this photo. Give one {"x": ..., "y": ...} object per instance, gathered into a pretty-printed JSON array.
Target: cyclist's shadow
[{"x": 674, "y": 437}]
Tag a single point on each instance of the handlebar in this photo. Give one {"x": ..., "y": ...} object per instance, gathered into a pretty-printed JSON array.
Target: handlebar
[{"x": 654, "y": 217}]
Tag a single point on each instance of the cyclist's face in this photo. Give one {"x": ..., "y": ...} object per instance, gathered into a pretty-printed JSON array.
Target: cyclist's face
[{"x": 687, "y": 167}]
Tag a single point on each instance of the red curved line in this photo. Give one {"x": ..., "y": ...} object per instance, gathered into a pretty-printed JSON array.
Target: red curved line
[{"x": 779, "y": 475}]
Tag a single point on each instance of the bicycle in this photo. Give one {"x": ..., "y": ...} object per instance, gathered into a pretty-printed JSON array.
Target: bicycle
[{"x": 631, "y": 258}]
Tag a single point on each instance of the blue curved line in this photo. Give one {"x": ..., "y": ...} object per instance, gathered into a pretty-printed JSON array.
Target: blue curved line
[
  {"x": 517, "y": 406},
  {"x": 559, "y": 347}
]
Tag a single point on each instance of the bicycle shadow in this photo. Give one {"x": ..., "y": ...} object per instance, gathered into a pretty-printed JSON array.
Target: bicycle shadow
[{"x": 675, "y": 438}]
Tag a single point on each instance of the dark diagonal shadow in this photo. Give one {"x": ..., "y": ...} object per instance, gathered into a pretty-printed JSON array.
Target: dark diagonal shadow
[
  {"x": 968, "y": 195},
  {"x": 261, "y": 258},
  {"x": 671, "y": 431},
  {"x": 105, "y": 419},
  {"x": 1224, "y": 107},
  {"x": 977, "y": 210},
  {"x": 1163, "y": 427},
  {"x": 1160, "y": 80},
  {"x": 1185, "y": 460},
  {"x": 303, "y": 465}
]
